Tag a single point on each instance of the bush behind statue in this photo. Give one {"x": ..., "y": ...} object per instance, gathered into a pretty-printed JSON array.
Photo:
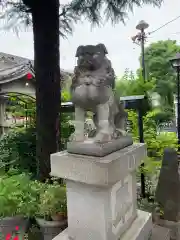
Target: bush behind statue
[
  {"x": 156, "y": 142},
  {"x": 18, "y": 147}
]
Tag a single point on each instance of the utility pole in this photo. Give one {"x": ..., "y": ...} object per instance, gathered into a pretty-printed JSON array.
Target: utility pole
[{"x": 139, "y": 39}]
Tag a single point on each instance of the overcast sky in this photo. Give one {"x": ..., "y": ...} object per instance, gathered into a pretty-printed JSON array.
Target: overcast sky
[{"x": 122, "y": 52}]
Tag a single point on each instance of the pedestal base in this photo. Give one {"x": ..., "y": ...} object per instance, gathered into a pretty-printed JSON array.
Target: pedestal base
[
  {"x": 101, "y": 194},
  {"x": 99, "y": 149},
  {"x": 140, "y": 229}
]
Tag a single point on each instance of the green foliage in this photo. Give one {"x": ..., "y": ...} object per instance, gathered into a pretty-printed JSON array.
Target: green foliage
[
  {"x": 66, "y": 129},
  {"x": 17, "y": 196},
  {"x": 130, "y": 85},
  {"x": 18, "y": 147},
  {"x": 116, "y": 10},
  {"x": 163, "y": 114},
  {"x": 16, "y": 15},
  {"x": 65, "y": 96},
  {"x": 156, "y": 142},
  {"x": 145, "y": 205},
  {"x": 22, "y": 106},
  {"x": 52, "y": 201},
  {"x": 21, "y": 196},
  {"x": 157, "y": 56}
]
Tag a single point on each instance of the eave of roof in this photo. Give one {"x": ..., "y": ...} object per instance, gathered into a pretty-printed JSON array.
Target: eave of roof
[{"x": 13, "y": 67}]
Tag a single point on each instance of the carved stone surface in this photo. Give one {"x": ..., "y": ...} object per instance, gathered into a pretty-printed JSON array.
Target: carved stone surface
[
  {"x": 123, "y": 204},
  {"x": 101, "y": 171},
  {"x": 101, "y": 195},
  {"x": 92, "y": 90}
]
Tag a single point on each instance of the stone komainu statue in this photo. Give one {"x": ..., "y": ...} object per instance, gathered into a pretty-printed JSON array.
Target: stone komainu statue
[{"x": 92, "y": 90}]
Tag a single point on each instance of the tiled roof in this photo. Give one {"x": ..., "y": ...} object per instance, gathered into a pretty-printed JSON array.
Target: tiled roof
[
  {"x": 13, "y": 59},
  {"x": 13, "y": 67}
]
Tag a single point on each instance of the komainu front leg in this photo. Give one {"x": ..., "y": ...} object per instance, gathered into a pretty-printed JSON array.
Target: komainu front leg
[
  {"x": 79, "y": 122},
  {"x": 105, "y": 131}
]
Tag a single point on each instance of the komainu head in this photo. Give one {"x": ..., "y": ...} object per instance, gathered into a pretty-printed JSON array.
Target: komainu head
[{"x": 91, "y": 57}]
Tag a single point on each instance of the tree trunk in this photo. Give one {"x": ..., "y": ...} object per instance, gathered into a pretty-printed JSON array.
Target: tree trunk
[{"x": 45, "y": 16}]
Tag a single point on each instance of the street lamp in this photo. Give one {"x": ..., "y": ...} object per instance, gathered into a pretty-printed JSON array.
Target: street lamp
[
  {"x": 175, "y": 62},
  {"x": 142, "y": 25},
  {"x": 139, "y": 39}
]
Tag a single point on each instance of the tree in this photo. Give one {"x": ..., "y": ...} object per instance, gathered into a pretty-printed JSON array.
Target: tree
[
  {"x": 45, "y": 21},
  {"x": 17, "y": 16},
  {"x": 130, "y": 85},
  {"x": 157, "y": 56}
]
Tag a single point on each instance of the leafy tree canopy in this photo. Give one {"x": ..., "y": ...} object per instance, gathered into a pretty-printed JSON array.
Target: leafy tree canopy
[
  {"x": 115, "y": 10},
  {"x": 130, "y": 85},
  {"x": 157, "y": 56},
  {"x": 16, "y": 16},
  {"x": 17, "y": 13}
]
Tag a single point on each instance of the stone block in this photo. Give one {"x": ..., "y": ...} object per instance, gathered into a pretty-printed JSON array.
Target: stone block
[
  {"x": 140, "y": 229},
  {"x": 160, "y": 233},
  {"x": 174, "y": 228},
  {"x": 101, "y": 171},
  {"x": 100, "y": 212},
  {"x": 91, "y": 148},
  {"x": 101, "y": 192}
]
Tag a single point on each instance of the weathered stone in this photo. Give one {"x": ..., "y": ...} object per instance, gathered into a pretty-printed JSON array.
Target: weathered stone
[
  {"x": 91, "y": 148},
  {"x": 160, "y": 233},
  {"x": 101, "y": 195},
  {"x": 92, "y": 90},
  {"x": 101, "y": 171},
  {"x": 168, "y": 188},
  {"x": 141, "y": 229}
]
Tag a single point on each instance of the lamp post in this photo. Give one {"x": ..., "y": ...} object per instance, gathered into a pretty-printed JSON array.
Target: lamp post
[
  {"x": 175, "y": 62},
  {"x": 139, "y": 39}
]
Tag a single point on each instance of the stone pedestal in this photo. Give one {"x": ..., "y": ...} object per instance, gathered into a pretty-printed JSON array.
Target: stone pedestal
[{"x": 101, "y": 195}]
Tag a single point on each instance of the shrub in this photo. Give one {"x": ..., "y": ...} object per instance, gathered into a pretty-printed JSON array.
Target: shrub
[
  {"x": 22, "y": 196},
  {"x": 52, "y": 201},
  {"x": 155, "y": 146},
  {"x": 162, "y": 115},
  {"x": 155, "y": 142},
  {"x": 18, "y": 147},
  {"x": 17, "y": 197}
]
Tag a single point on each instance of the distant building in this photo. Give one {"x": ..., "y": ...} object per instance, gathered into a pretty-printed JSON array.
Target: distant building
[{"x": 17, "y": 76}]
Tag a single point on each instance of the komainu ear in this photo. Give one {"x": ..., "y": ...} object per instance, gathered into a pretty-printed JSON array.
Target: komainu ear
[
  {"x": 102, "y": 48},
  {"x": 79, "y": 51}
]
